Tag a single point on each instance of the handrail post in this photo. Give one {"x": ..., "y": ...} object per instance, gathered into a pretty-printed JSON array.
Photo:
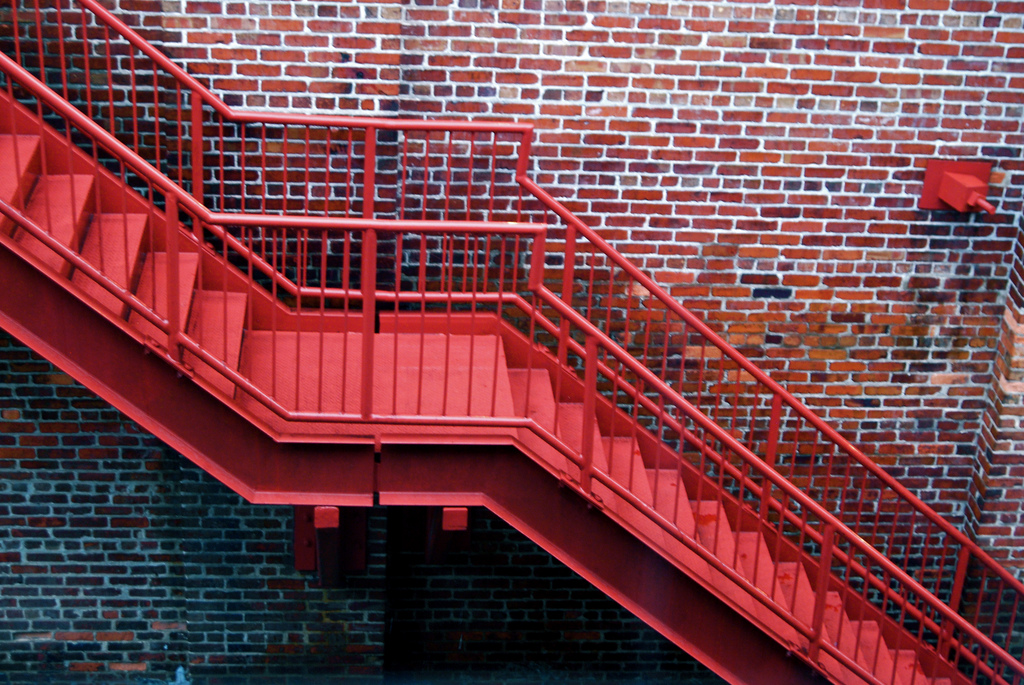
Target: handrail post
[
  {"x": 774, "y": 427},
  {"x": 959, "y": 578},
  {"x": 538, "y": 258},
  {"x": 589, "y": 413},
  {"x": 568, "y": 271},
  {"x": 198, "y": 191},
  {"x": 821, "y": 591},
  {"x": 368, "y": 271},
  {"x": 173, "y": 293},
  {"x": 525, "y": 143}
]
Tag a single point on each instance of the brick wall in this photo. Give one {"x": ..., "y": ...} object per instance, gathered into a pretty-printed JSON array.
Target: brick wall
[
  {"x": 998, "y": 489},
  {"x": 763, "y": 159},
  {"x": 323, "y": 56},
  {"x": 120, "y": 560}
]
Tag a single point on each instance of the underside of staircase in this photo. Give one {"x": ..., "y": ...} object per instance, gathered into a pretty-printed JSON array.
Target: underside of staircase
[{"x": 358, "y": 401}]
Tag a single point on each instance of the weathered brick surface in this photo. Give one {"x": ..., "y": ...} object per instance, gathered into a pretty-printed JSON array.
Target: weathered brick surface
[
  {"x": 119, "y": 558},
  {"x": 763, "y": 160},
  {"x": 324, "y": 56},
  {"x": 997, "y": 515}
]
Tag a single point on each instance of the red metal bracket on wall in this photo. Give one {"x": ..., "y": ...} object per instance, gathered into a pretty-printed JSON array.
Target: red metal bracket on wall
[
  {"x": 331, "y": 541},
  {"x": 951, "y": 184}
]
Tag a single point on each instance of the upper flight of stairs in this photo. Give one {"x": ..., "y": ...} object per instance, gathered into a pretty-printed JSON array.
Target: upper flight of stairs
[{"x": 73, "y": 221}]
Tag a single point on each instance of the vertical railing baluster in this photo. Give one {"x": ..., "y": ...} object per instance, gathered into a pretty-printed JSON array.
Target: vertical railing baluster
[
  {"x": 821, "y": 591},
  {"x": 589, "y": 413},
  {"x": 197, "y": 147},
  {"x": 368, "y": 271},
  {"x": 568, "y": 271},
  {"x": 173, "y": 302}
]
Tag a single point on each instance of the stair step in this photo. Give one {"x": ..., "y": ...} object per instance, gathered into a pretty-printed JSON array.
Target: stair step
[
  {"x": 838, "y": 628},
  {"x": 60, "y": 204},
  {"x": 793, "y": 589},
  {"x": 533, "y": 398},
  {"x": 716, "y": 535},
  {"x": 153, "y": 290},
  {"x": 872, "y": 651},
  {"x": 217, "y": 324},
  {"x": 841, "y": 631},
  {"x": 300, "y": 386},
  {"x": 908, "y": 668},
  {"x": 437, "y": 374},
  {"x": 112, "y": 245},
  {"x": 16, "y": 182},
  {"x": 671, "y": 499},
  {"x": 756, "y": 560},
  {"x": 714, "y": 530},
  {"x": 571, "y": 424},
  {"x": 540, "y": 404},
  {"x": 626, "y": 465}
]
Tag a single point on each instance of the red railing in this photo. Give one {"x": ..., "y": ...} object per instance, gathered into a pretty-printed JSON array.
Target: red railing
[
  {"x": 681, "y": 382},
  {"x": 328, "y": 225}
]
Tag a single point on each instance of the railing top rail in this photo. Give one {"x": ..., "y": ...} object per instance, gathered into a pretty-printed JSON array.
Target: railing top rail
[
  {"x": 691, "y": 320},
  {"x": 214, "y": 101},
  {"x": 360, "y": 224}
]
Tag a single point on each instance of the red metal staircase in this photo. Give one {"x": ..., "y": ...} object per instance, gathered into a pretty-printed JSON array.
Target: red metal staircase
[{"x": 338, "y": 311}]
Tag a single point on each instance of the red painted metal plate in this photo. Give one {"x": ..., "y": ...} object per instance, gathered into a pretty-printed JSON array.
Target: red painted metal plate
[{"x": 934, "y": 171}]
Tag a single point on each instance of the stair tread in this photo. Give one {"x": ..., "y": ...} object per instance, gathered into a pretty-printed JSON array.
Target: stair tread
[
  {"x": 59, "y": 205},
  {"x": 714, "y": 529},
  {"x": 908, "y": 668},
  {"x": 112, "y": 245},
  {"x": 872, "y": 651},
  {"x": 539, "y": 406},
  {"x": 217, "y": 324},
  {"x": 755, "y": 559},
  {"x": 626, "y": 465},
  {"x": 671, "y": 499},
  {"x": 21, "y": 151},
  {"x": 794, "y": 590},
  {"x": 571, "y": 424},
  {"x": 152, "y": 290}
]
